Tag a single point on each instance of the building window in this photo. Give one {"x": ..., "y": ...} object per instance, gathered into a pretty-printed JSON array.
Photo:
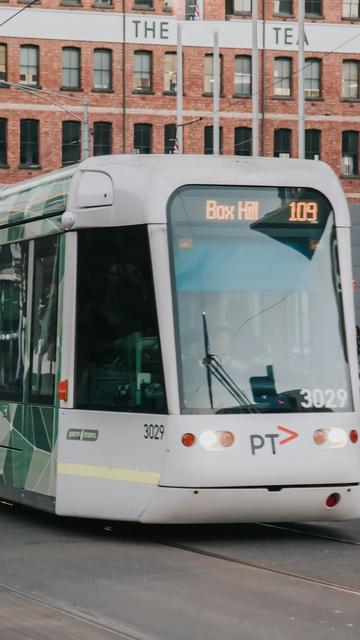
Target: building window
[
  {"x": 142, "y": 138},
  {"x": 71, "y": 139},
  {"x": 29, "y": 143},
  {"x": 350, "y": 153},
  {"x": 170, "y": 72},
  {"x": 142, "y": 71},
  {"x": 350, "y": 79},
  {"x": 3, "y": 62},
  {"x": 237, "y": 6},
  {"x": 209, "y": 74},
  {"x": 71, "y": 68},
  {"x": 3, "y": 142},
  {"x": 103, "y": 69},
  {"x": 312, "y": 144},
  {"x": 103, "y": 3},
  {"x": 102, "y": 138},
  {"x": 283, "y": 7},
  {"x": 312, "y": 78},
  {"x": 191, "y": 9},
  {"x": 209, "y": 140},
  {"x": 243, "y": 141},
  {"x": 351, "y": 9},
  {"x": 313, "y": 7},
  {"x": 143, "y": 4},
  {"x": 242, "y": 78},
  {"x": 29, "y": 65},
  {"x": 282, "y": 77},
  {"x": 170, "y": 139},
  {"x": 282, "y": 143}
]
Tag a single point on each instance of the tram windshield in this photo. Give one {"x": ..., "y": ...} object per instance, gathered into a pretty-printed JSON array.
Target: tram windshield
[{"x": 258, "y": 305}]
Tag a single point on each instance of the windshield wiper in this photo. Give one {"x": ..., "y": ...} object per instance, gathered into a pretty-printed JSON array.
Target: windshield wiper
[{"x": 214, "y": 367}]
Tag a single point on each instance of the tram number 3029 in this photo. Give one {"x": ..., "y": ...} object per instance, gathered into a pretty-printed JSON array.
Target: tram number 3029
[{"x": 154, "y": 431}]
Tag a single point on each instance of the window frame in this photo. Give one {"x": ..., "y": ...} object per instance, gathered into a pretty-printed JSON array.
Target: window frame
[
  {"x": 26, "y": 51},
  {"x": 309, "y": 63},
  {"x": 210, "y": 56},
  {"x": 314, "y": 14},
  {"x": 351, "y": 4},
  {"x": 246, "y": 133},
  {"x": 348, "y": 153},
  {"x": 4, "y": 143},
  {"x": 279, "y": 139},
  {"x": 142, "y": 129},
  {"x": 70, "y": 69},
  {"x": 107, "y": 54},
  {"x": 98, "y": 130},
  {"x": 169, "y": 128},
  {"x": 4, "y": 62},
  {"x": 29, "y": 142},
  {"x": 312, "y": 144},
  {"x": 172, "y": 56},
  {"x": 346, "y": 81},
  {"x": 282, "y": 12},
  {"x": 283, "y": 82},
  {"x": 209, "y": 140},
  {"x": 241, "y": 74},
  {"x": 75, "y": 124},
  {"x": 142, "y": 73}
]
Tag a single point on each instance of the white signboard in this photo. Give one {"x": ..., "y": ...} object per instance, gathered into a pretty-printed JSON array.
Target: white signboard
[{"x": 96, "y": 26}]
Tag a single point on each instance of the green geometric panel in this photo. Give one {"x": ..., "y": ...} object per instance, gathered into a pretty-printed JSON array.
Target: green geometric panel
[{"x": 41, "y": 474}]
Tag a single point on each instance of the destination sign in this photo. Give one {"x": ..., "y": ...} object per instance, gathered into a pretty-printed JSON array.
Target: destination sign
[{"x": 249, "y": 210}]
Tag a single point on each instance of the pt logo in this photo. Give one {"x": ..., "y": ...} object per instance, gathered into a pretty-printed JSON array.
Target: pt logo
[{"x": 258, "y": 442}]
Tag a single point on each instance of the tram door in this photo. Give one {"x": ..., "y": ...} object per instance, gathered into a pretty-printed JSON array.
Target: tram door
[{"x": 112, "y": 438}]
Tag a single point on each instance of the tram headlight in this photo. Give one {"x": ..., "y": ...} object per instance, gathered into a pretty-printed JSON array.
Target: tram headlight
[
  {"x": 334, "y": 438},
  {"x": 212, "y": 440}
]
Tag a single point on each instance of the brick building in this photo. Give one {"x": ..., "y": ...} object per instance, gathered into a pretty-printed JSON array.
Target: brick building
[{"x": 121, "y": 56}]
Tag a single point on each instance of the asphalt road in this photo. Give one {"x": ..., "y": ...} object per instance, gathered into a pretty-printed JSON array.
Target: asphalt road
[{"x": 66, "y": 579}]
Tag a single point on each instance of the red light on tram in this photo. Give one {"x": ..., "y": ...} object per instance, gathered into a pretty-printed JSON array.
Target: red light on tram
[
  {"x": 188, "y": 439},
  {"x": 63, "y": 390},
  {"x": 333, "y": 499},
  {"x": 354, "y": 436}
]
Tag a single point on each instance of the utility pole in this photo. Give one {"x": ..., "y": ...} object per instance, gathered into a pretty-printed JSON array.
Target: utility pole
[
  {"x": 255, "y": 80},
  {"x": 301, "y": 97},
  {"x": 216, "y": 96}
]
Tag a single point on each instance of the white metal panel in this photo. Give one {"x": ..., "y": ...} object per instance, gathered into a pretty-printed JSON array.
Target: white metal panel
[
  {"x": 114, "y": 475},
  {"x": 95, "y": 190},
  {"x": 355, "y": 243},
  {"x": 162, "y": 284}
]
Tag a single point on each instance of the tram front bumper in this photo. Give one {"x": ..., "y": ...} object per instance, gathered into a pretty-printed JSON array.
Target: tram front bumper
[{"x": 226, "y": 505}]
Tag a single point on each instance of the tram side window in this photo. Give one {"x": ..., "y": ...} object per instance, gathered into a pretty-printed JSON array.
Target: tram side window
[
  {"x": 13, "y": 295},
  {"x": 118, "y": 357},
  {"x": 44, "y": 321}
]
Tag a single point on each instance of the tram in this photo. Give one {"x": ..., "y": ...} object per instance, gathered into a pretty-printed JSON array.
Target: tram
[{"x": 177, "y": 342}]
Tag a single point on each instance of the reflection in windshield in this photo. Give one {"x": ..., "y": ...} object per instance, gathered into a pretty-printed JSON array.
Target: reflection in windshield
[{"x": 261, "y": 264}]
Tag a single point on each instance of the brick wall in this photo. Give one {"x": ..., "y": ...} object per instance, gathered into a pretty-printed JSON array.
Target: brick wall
[{"x": 329, "y": 114}]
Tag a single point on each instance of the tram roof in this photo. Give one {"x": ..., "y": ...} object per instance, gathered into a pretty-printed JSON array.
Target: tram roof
[{"x": 138, "y": 186}]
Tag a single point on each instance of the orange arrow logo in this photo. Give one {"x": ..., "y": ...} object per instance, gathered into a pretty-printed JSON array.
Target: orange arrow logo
[{"x": 291, "y": 436}]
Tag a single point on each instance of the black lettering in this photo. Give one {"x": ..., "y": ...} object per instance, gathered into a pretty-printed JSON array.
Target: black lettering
[
  {"x": 277, "y": 31},
  {"x": 257, "y": 442},
  {"x": 288, "y": 35},
  {"x": 164, "y": 30},
  {"x": 151, "y": 29},
  {"x": 136, "y": 23},
  {"x": 272, "y": 437}
]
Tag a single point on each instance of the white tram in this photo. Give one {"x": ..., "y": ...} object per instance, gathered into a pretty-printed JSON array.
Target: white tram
[{"x": 178, "y": 342}]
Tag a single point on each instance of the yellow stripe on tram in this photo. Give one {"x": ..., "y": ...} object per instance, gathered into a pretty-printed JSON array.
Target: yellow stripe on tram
[{"x": 108, "y": 473}]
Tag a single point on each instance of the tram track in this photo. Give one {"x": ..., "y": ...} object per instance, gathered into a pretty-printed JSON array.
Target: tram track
[
  {"x": 111, "y": 628},
  {"x": 260, "y": 567},
  {"x": 303, "y": 530}
]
